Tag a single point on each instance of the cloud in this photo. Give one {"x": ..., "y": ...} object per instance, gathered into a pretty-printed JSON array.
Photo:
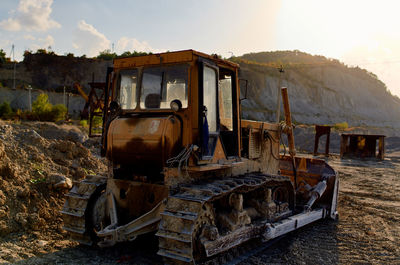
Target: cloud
[
  {"x": 29, "y": 37},
  {"x": 89, "y": 40},
  {"x": 31, "y": 15},
  {"x": 48, "y": 41},
  {"x": 132, "y": 44},
  {"x": 44, "y": 43}
]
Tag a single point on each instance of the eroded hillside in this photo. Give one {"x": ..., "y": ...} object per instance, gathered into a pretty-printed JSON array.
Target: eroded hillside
[{"x": 321, "y": 91}]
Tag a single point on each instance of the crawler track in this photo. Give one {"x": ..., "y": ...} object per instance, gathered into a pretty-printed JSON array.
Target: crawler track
[
  {"x": 75, "y": 209},
  {"x": 190, "y": 209}
]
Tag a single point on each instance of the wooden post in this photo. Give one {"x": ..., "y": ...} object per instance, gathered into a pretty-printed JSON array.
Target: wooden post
[
  {"x": 316, "y": 140},
  {"x": 328, "y": 138},
  {"x": 288, "y": 119},
  {"x": 319, "y": 131},
  {"x": 289, "y": 132},
  {"x": 381, "y": 154},
  {"x": 343, "y": 144}
]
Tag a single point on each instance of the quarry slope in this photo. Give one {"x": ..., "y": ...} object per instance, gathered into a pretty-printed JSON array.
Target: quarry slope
[{"x": 321, "y": 91}]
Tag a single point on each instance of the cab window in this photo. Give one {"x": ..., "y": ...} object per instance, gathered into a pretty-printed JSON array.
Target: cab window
[
  {"x": 225, "y": 103},
  {"x": 161, "y": 85}
]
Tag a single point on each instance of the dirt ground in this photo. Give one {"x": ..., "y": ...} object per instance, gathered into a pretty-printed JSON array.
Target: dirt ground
[
  {"x": 31, "y": 155},
  {"x": 368, "y": 230}
]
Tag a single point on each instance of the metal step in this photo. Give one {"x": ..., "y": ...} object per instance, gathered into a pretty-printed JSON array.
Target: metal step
[
  {"x": 74, "y": 230},
  {"x": 77, "y": 196},
  {"x": 181, "y": 215},
  {"x": 198, "y": 198},
  {"x": 174, "y": 255},
  {"x": 186, "y": 238},
  {"x": 79, "y": 215}
]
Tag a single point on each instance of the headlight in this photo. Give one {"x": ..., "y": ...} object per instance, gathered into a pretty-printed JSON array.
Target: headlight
[{"x": 176, "y": 105}]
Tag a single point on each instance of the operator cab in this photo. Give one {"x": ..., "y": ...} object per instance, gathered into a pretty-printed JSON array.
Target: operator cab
[{"x": 160, "y": 104}]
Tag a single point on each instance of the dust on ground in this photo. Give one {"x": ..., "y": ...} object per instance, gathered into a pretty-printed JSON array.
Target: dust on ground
[{"x": 37, "y": 160}]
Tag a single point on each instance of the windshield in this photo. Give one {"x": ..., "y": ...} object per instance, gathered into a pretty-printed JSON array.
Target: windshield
[{"x": 161, "y": 85}]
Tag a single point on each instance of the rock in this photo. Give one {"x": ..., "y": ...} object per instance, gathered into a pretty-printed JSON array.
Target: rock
[
  {"x": 56, "y": 178},
  {"x": 35, "y": 221},
  {"x": 2, "y": 153},
  {"x": 42, "y": 243},
  {"x": 2, "y": 198},
  {"x": 32, "y": 135},
  {"x": 4, "y": 229},
  {"x": 23, "y": 193},
  {"x": 76, "y": 136},
  {"x": 60, "y": 159},
  {"x": 80, "y": 173},
  {"x": 21, "y": 218},
  {"x": 69, "y": 156},
  {"x": 7, "y": 171},
  {"x": 75, "y": 164},
  {"x": 45, "y": 214},
  {"x": 81, "y": 151},
  {"x": 3, "y": 213},
  {"x": 60, "y": 182},
  {"x": 65, "y": 184}
]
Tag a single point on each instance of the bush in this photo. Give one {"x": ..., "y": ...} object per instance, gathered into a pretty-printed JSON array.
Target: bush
[
  {"x": 97, "y": 120},
  {"x": 341, "y": 126},
  {"x": 3, "y": 58},
  {"x": 106, "y": 55},
  {"x": 43, "y": 110},
  {"x": 5, "y": 110},
  {"x": 41, "y": 107},
  {"x": 84, "y": 123},
  {"x": 58, "y": 112}
]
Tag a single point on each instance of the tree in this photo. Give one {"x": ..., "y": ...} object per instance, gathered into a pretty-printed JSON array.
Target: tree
[
  {"x": 106, "y": 55},
  {"x": 43, "y": 110},
  {"x": 5, "y": 110},
  {"x": 3, "y": 58},
  {"x": 134, "y": 53},
  {"x": 41, "y": 107}
]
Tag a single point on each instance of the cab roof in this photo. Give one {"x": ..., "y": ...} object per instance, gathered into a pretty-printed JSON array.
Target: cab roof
[{"x": 168, "y": 57}]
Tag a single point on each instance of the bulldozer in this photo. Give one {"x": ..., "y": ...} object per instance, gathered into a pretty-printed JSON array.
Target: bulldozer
[{"x": 186, "y": 167}]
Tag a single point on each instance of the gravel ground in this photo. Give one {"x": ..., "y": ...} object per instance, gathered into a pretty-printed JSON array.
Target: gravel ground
[{"x": 368, "y": 230}]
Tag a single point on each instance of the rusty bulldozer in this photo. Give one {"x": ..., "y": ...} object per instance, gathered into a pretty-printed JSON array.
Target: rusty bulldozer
[{"x": 185, "y": 166}]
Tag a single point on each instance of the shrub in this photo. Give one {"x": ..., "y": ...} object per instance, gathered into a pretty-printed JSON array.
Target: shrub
[
  {"x": 341, "y": 126},
  {"x": 5, "y": 110},
  {"x": 84, "y": 123},
  {"x": 3, "y": 58},
  {"x": 43, "y": 110},
  {"x": 58, "y": 112},
  {"x": 106, "y": 55},
  {"x": 97, "y": 120},
  {"x": 41, "y": 107}
]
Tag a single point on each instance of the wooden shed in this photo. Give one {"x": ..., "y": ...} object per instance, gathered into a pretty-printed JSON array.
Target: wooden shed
[{"x": 362, "y": 145}]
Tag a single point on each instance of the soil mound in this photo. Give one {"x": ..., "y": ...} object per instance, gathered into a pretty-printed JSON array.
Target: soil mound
[{"x": 38, "y": 164}]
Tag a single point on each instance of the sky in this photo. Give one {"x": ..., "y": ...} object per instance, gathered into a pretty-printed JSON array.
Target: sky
[{"x": 360, "y": 33}]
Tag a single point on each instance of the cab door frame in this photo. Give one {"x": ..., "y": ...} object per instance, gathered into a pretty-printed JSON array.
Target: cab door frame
[{"x": 213, "y": 136}]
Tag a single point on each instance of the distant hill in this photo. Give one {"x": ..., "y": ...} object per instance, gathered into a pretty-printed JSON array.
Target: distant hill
[{"x": 321, "y": 90}]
